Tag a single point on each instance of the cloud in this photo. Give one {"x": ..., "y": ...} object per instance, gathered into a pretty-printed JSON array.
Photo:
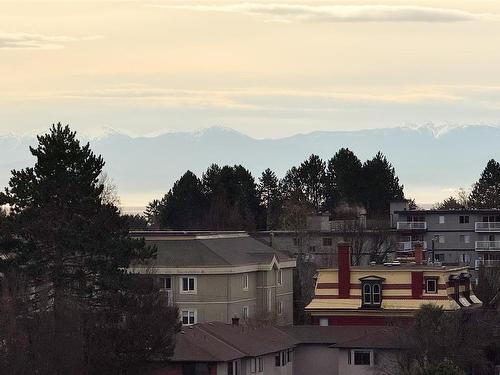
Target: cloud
[
  {"x": 337, "y": 13},
  {"x": 37, "y": 41}
]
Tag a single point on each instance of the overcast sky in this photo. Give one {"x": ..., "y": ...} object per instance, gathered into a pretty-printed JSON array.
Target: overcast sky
[{"x": 266, "y": 68}]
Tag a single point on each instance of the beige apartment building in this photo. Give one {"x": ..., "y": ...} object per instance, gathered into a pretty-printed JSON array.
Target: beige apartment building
[{"x": 218, "y": 276}]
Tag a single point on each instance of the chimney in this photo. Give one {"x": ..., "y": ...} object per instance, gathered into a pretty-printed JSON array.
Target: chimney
[
  {"x": 419, "y": 256},
  {"x": 344, "y": 265},
  {"x": 236, "y": 321}
]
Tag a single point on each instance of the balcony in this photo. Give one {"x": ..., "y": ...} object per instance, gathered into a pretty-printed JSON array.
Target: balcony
[
  {"x": 410, "y": 245},
  {"x": 484, "y": 226},
  {"x": 412, "y": 225},
  {"x": 486, "y": 263},
  {"x": 487, "y": 245}
]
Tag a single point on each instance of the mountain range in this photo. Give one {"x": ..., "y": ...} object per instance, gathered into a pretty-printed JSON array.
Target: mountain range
[{"x": 430, "y": 163}]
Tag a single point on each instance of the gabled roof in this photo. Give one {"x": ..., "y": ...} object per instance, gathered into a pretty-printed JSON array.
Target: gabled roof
[
  {"x": 313, "y": 334},
  {"x": 221, "y": 342},
  {"x": 214, "y": 249},
  {"x": 381, "y": 338}
]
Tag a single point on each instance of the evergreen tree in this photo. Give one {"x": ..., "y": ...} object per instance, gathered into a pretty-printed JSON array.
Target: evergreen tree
[
  {"x": 269, "y": 191},
  {"x": 69, "y": 249},
  {"x": 450, "y": 203},
  {"x": 486, "y": 191},
  {"x": 153, "y": 212},
  {"x": 312, "y": 177},
  {"x": 184, "y": 204},
  {"x": 59, "y": 229},
  {"x": 380, "y": 185},
  {"x": 343, "y": 179}
]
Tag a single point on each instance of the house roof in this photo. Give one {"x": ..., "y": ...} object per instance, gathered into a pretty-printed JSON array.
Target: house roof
[
  {"x": 381, "y": 338},
  {"x": 478, "y": 211},
  {"x": 209, "y": 249},
  {"x": 313, "y": 334},
  {"x": 221, "y": 342}
]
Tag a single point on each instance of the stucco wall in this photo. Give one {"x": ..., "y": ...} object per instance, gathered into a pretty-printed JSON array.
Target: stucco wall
[{"x": 315, "y": 359}]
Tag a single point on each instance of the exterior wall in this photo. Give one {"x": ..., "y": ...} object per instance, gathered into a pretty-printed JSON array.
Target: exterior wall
[
  {"x": 222, "y": 297},
  {"x": 269, "y": 367},
  {"x": 315, "y": 359},
  {"x": 385, "y": 363}
]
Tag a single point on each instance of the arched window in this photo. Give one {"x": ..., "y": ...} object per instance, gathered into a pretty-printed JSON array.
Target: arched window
[
  {"x": 376, "y": 293},
  {"x": 371, "y": 288},
  {"x": 367, "y": 294}
]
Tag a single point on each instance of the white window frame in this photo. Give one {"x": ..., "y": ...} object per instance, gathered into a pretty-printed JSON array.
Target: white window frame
[
  {"x": 324, "y": 322},
  {"x": 279, "y": 277},
  {"x": 194, "y": 313},
  {"x": 441, "y": 219},
  {"x": 256, "y": 365},
  {"x": 352, "y": 356},
  {"x": 427, "y": 289},
  {"x": 280, "y": 308},
  {"x": 188, "y": 291},
  {"x": 163, "y": 281},
  {"x": 244, "y": 281},
  {"x": 245, "y": 312},
  {"x": 269, "y": 300}
]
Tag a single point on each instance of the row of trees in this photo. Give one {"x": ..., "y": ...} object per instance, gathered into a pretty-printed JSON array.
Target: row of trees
[
  {"x": 68, "y": 305},
  {"x": 485, "y": 193},
  {"x": 229, "y": 197}
]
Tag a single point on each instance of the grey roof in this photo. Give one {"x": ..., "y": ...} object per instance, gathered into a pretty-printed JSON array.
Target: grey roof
[
  {"x": 220, "y": 342},
  {"x": 479, "y": 211},
  {"x": 209, "y": 250},
  {"x": 382, "y": 338},
  {"x": 313, "y": 334}
]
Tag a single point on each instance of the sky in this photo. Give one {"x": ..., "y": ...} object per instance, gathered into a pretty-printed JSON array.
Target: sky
[{"x": 265, "y": 68}]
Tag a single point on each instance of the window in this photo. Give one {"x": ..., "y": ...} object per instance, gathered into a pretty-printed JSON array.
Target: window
[
  {"x": 361, "y": 357},
  {"x": 166, "y": 283},
  {"x": 297, "y": 241},
  {"x": 464, "y": 258},
  {"x": 244, "y": 312},
  {"x": 256, "y": 364},
  {"x": 439, "y": 257},
  {"x": 323, "y": 322},
  {"x": 244, "y": 281},
  {"x": 371, "y": 292},
  {"x": 188, "y": 317},
  {"x": 232, "y": 368},
  {"x": 327, "y": 241},
  {"x": 280, "y": 359},
  {"x": 269, "y": 300},
  {"x": 188, "y": 285},
  {"x": 279, "y": 277},
  {"x": 464, "y": 238},
  {"x": 312, "y": 249},
  {"x": 290, "y": 355},
  {"x": 441, "y": 238},
  {"x": 441, "y": 219},
  {"x": 280, "y": 307},
  {"x": 463, "y": 219},
  {"x": 431, "y": 285}
]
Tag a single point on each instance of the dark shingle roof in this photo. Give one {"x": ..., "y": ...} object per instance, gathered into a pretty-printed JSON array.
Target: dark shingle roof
[
  {"x": 209, "y": 250},
  {"x": 328, "y": 335},
  {"x": 383, "y": 338},
  {"x": 220, "y": 342}
]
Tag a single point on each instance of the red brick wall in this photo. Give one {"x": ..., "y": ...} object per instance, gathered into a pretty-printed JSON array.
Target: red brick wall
[
  {"x": 417, "y": 284},
  {"x": 344, "y": 255}
]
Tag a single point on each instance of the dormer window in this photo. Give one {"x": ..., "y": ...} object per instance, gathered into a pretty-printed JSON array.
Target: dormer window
[{"x": 371, "y": 291}]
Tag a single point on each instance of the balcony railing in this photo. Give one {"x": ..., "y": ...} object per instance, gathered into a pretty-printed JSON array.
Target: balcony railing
[
  {"x": 487, "y": 245},
  {"x": 410, "y": 245},
  {"x": 484, "y": 226},
  {"x": 486, "y": 263},
  {"x": 412, "y": 225}
]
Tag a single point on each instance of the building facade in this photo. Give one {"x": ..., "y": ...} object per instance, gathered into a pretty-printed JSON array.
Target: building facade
[
  {"x": 384, "y": 294},
  {"x": 217, "y": 276},
  {"x": 461, "y": 237}
]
